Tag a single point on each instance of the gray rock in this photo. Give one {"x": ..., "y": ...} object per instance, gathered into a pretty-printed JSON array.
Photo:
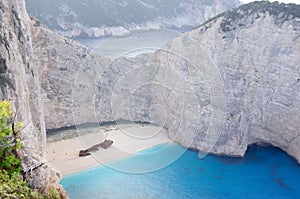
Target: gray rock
[
  {"x": 232, "y": 82},
  {"x": 118, "y": 18},
  {"x": 251, "y": 75},
  {"x": 20, "y": 84}
]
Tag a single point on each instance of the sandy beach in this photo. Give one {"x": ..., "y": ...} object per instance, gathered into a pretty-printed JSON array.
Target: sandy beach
[{"x": 128, "y": 139}]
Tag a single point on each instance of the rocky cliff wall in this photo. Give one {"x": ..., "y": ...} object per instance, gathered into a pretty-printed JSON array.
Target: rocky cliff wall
[
  {"x": 248, "y": 61},
  {"x": 230, "y": 83},
  {"x": 19, "y": 73},
  {"x": 67, "y": 71}
]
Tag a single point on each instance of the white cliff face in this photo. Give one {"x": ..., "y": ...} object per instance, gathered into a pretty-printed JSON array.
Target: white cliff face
[
  {"x": 230, "y": 83},
  {"x": 19, "y": 71},
  {"x": 250, "y": 67},
  {"x": 20, "y": 85},
  {"x": 63, "y": 64}
]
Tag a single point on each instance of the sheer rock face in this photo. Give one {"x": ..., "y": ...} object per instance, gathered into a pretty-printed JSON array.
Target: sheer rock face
[
  {"x": 249, "y": 62},
  {"x": 232, "y": 82},
  {"x": 228, "y": 84},
  {"x": 19, "y": 73},
  {"x": 67, "y": 74}
]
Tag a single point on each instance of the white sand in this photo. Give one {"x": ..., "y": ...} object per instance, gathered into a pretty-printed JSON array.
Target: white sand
[{"x": 64, "y": 154}]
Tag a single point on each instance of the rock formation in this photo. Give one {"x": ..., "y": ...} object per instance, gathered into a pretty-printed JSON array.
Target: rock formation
[
  {"x": 248, "y": 60},
  {"x": 232, "y": 82},
  {"x": 102, "y": 18},
  {"x": 63, "y": 63},
  {"x": 19, "y": 73}
]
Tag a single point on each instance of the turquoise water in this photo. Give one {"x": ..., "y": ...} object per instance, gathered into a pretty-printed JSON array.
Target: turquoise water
[{"x": 265, "y": 172}]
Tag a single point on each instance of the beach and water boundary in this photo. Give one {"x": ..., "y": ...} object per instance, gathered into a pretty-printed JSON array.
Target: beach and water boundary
[{"x": 63, "y": 146}]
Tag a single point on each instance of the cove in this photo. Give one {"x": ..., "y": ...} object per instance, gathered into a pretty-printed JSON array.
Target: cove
[{"x": 264, "y": 172}]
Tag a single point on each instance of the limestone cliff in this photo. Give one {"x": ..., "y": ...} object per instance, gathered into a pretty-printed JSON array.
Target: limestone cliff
[
  {"x": 63, "y": 65},
  {"x": 230, "y": 83},
  {"x": 19, "y": 81},
  {"x": 248, "y": 83}
]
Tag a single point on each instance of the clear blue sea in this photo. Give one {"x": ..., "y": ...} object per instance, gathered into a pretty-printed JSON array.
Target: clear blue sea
[{"x": 265, "y": 172}]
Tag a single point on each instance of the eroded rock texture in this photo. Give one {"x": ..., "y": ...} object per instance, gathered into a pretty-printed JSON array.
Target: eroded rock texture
[
  {"x": 19, "y": 78},
  {"x": 248, "y": 60},
  {"x": 232, "y": 82},
  {"x": 256, "y": 51}
]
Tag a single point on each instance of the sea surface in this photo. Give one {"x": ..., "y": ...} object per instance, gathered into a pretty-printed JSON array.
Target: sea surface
[
  {"x": 137, "y": 42},
  {"x": 265, "y": 172}
]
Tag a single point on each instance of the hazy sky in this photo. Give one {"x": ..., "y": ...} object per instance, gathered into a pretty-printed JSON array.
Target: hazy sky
[{"x": 283, "y": 1}]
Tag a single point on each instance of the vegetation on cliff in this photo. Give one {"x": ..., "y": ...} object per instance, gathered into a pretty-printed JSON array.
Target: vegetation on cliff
[
  {"x": 9, "y": 141},
  {"x": 12, "y": 184},
  {"x": 280, "y": 11}
]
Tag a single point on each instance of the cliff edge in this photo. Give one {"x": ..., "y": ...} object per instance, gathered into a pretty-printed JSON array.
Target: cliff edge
[
  {"x": 232, "y": 82},
  {"x": 249, "y": 62}
]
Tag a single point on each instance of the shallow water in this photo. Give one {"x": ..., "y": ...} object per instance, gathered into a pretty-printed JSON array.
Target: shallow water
[{"x": 265, "y": 172}]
